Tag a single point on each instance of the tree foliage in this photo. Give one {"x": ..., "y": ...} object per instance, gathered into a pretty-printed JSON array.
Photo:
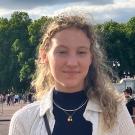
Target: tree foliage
[
  {"x": 118, "y": 41},
  {"x": 20, "y": 37}
]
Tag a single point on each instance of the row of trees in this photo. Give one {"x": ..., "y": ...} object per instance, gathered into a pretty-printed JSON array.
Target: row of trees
[
  {"x": 119, "y": 43},
  {"x": 20, "y": 36}
]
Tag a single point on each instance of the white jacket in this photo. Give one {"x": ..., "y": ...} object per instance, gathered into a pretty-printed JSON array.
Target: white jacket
[{"x": 29, "y": 120}]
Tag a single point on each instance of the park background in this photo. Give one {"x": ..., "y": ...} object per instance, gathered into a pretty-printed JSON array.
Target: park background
[{"x": 21, "y": 25}]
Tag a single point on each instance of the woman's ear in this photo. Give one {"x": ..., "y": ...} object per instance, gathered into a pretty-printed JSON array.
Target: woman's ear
[{"x": 42, "y": 57}]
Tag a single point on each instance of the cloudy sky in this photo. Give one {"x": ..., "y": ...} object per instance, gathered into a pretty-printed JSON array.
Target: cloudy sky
[{"x": 102, "y": 10}]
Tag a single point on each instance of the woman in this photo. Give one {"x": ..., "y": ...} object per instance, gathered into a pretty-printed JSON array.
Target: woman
[{"x": 79, "y": 98}]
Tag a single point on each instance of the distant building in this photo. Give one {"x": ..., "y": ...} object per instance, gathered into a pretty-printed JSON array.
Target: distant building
[{"x": 124, "y": 83}]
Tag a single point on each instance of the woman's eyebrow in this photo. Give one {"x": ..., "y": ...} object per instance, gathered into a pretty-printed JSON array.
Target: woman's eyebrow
[
  {"x": 84, "y": 47},
  {"x": 62, "y": 46},
  {"x": 79, "y": 47}
]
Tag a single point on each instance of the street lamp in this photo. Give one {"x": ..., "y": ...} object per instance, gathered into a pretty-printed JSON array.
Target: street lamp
[
  {"x": 115, "y": 66},
  {"x": 126, "y": 74}
]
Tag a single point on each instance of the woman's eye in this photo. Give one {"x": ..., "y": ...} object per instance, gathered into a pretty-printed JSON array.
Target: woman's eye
[
  {"x": 82, "y": 52},
  {"x": 62, "y": 52}
]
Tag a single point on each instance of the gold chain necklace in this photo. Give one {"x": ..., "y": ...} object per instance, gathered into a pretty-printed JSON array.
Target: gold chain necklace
[{"x": 66, "y": 111}]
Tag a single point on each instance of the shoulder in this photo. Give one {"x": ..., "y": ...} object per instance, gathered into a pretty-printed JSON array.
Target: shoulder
[
  {"x": 22, "y": 120},
  {"x": 123, "y": 124},
  {"x": 123, "y": 114},
  {"x": 26, "y": 112},
  {"x": 122, "y": 106},
  {"x": 30, "y": 107},
  {"x": 124, "y": 120}
]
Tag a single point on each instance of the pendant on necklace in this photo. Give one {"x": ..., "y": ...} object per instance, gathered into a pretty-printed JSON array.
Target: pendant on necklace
[{"x": 69, "y": 119}]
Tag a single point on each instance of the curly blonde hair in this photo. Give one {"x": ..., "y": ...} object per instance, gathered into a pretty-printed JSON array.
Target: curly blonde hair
[{"x": 97, "y": 83}]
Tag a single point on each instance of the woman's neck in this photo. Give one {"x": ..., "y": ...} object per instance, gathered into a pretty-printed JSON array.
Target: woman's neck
[{"x": 69, "y": 100}]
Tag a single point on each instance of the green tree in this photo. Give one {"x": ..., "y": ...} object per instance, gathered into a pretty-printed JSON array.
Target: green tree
[
  {"x": 115, "y": 43},
  {"x": 130, "y": 34},
  {"x": 4, "y": 54}
]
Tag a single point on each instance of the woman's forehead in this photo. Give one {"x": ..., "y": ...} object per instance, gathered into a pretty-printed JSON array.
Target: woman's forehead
[
  {"x": 71, "y": 35},
  {"x": 67, "y": 32}
]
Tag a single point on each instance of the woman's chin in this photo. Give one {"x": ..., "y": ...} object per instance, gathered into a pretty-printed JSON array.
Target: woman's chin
[{"x": 73, "y": 87}]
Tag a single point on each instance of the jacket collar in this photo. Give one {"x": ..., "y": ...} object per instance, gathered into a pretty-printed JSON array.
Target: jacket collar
[{"x": 46, "y": 104}]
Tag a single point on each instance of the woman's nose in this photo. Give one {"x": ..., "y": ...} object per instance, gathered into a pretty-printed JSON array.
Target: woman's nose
[{"x": 72, "y": 60}]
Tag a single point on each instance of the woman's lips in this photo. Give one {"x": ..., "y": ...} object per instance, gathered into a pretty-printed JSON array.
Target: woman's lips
[{"x": 71, "y": 71}]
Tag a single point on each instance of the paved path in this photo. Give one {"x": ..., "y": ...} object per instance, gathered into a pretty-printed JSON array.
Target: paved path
[{"x": 6, "y": 112}]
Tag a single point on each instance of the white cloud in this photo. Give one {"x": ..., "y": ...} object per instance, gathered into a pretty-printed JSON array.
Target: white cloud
[
  {"x": 5, "y": 13},
  {"x": 120, "y": 10},
  {"x": 29, "y": 4}
]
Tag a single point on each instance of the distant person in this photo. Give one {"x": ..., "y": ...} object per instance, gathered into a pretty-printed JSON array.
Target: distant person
[
  {"x": 1, "y": 98},
  {"x": 8, "y": 98},
  {"x": 16, "y": 98},
  {"x": 12, "y": 98},
  {"x": 30, "y": 97},
  {"x": 130, "y": 102},
  {"x": 128, "y": 93},
  {"x": 72, "y": 82}
]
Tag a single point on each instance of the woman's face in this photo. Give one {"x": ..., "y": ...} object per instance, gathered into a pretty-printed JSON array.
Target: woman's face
[{"x": 69, "y": 59}]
